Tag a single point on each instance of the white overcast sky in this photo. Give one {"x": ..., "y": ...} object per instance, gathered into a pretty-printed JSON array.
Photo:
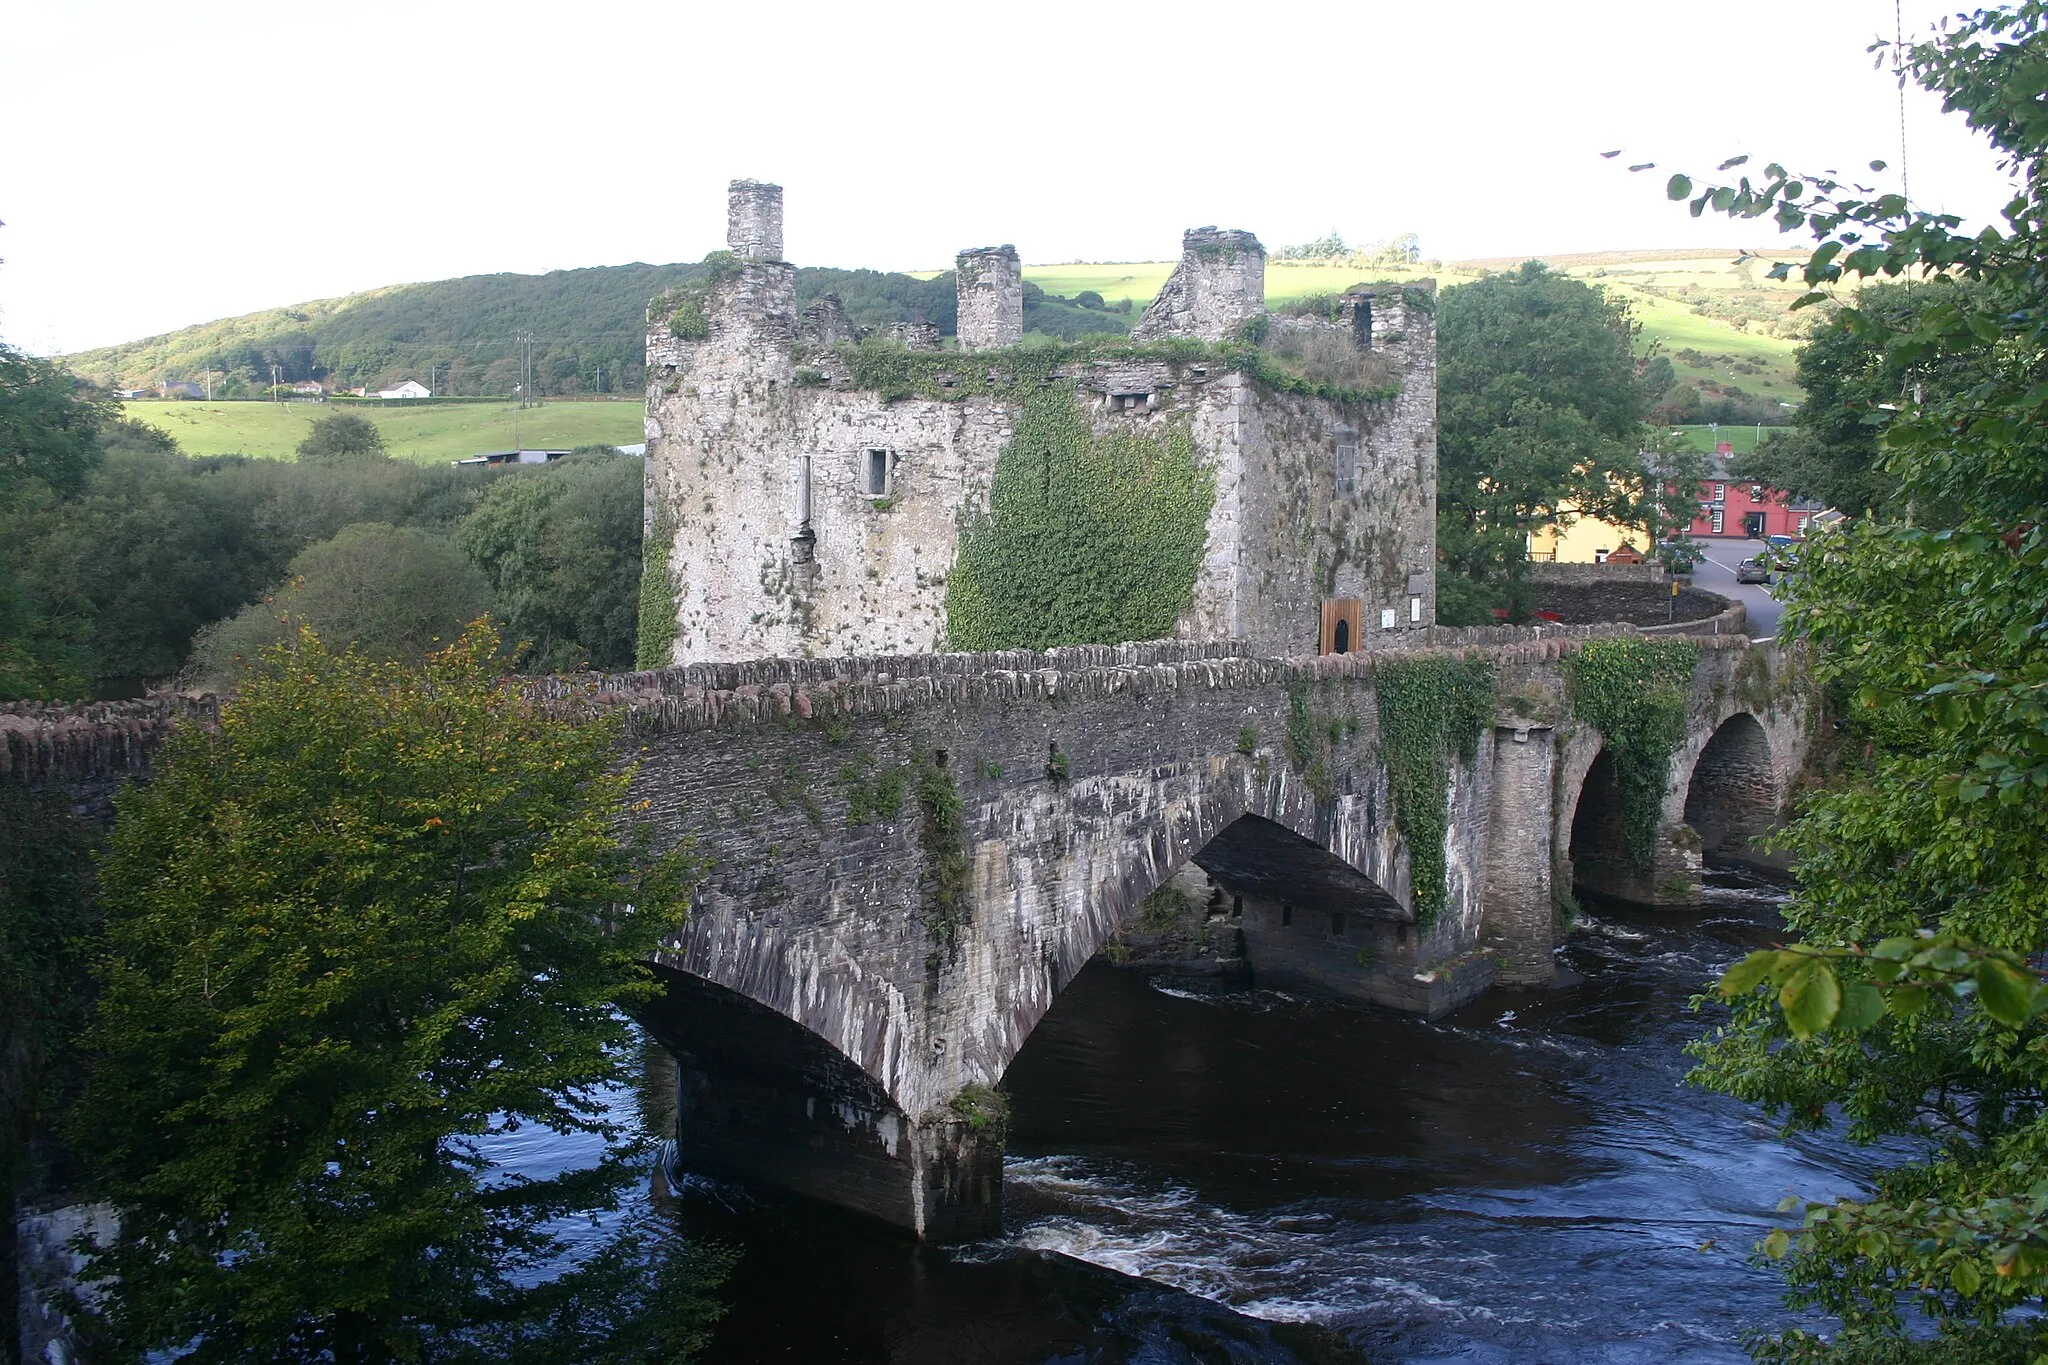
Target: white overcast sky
[{"x": 169, "y": 164}]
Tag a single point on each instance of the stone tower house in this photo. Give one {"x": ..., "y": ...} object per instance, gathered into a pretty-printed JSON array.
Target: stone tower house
[{"x": 813, "y": 510}]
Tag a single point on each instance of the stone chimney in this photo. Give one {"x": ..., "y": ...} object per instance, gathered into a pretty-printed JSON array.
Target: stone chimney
[
  {"x": 990, "y": 282},
  {"x": 753, "y": 220},
  {"x": 1219, "y": 285}
]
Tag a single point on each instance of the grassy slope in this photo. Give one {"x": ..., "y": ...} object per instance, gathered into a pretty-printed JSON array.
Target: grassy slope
[{"x": 428, "y": 433}]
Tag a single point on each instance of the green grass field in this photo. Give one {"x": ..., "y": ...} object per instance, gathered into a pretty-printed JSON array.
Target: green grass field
[
  {"x": 427, "y": 434},
  {"x": 1744, "y": 439}
]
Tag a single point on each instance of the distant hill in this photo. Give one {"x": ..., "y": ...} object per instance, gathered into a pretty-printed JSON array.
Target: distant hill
[
  {"x": 464, "y": 337},
  {"x": 1723, "y": 326}
]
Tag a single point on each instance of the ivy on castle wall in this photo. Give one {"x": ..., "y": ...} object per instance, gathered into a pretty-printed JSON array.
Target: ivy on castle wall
[
  {"x": 687, "y": 306},
  {"x": 1433, "y": 709},
  {"x": 1088, "y": 539},
  {"x": 1634, "y": 691},
  {"x": 655, "y": 647}
]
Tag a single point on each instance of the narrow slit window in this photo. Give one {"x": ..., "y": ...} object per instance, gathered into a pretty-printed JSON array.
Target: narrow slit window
[
  {"x": 1347, "y": 469},
  {"x": 1336, "y": 924},
  {"x": 1286, "y": 914},
  {"x": 877, "y": 466}
]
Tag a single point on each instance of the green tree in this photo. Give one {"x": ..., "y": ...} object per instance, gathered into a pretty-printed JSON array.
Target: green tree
[
  {"x": 560, "y": 545},
  {"x": 1541, "y": 409},
  {"x": 46, "y": 940},
  {"x": 49, "y": 447},
  {"x": 49, "y": 425},
  {"x": 342, "y": 438},
  {"x": 1856, "y": 370},
  {"x": 376, "y": 915},
  {"x": 1907, "y": 1005},
  {"x": 392, "y": 592}
]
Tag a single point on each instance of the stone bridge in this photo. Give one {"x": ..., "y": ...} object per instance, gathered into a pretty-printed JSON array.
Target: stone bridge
[{"x": 906, "y": 859}]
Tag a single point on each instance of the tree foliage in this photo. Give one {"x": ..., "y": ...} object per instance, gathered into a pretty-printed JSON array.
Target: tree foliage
[
  {"x": 48, "y": 426},
  {"x": 1930, "y": 629},
  {"x": 560, "y": 546},
  {"x": 46, "y": 940},
  {"x": 391, "y": 592},
  {"x": 108, "y": 586},
  {"x": 1541, "y": 409},
  {"x": 1854, "y": 371},
  {"x": 376, "y": 916},
  {"x": 342, "y": 438}
]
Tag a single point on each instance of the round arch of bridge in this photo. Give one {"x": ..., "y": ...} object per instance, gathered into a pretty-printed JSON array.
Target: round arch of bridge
[
  {"x": 1732, "y": 794},
  {"x": 1596, "y": 839},
  {"x": 761, "y": 1098}
]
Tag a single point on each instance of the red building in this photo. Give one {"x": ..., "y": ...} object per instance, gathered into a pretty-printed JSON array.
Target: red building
[{"x": 1738, "y": 509}]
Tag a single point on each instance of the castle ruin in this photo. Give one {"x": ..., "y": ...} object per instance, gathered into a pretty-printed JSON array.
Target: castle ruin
[{"x": 811, "y": 485}]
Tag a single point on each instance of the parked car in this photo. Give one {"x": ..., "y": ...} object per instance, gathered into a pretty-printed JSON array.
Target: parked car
[
  {"x": 1680, "y": 556},
  {"x": 1753, "y": 570}
]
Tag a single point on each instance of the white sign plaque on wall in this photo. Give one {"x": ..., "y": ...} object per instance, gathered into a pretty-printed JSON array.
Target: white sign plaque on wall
[{"x": 1386, "y": 618}]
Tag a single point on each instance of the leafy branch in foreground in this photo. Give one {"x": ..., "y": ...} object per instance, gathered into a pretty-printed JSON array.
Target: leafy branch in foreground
[
  {"x": 379, "y": 916},
  {"x": 1909, "y": 1003}
]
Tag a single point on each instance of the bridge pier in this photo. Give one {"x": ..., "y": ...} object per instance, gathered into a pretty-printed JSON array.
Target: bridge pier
[{"x": 1520, "y": 925}]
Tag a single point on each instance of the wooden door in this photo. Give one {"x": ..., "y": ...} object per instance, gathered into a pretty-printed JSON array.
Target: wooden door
[{"x": 1339, "y": 632}]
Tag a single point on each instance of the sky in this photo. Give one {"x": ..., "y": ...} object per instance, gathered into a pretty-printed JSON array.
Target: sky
[{"x": 168, "y": 165}]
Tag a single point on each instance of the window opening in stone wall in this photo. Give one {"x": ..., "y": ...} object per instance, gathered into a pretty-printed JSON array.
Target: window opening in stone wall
[
  {"x": 876, "y": 467},
  {"x": 1286, "y": 914},
  {"x": 1347, "y": 469},
  {"x": 1336, "y": 924},
  {"x": 1361, "y": 322},
  {"x": 1236, "y": 907}
]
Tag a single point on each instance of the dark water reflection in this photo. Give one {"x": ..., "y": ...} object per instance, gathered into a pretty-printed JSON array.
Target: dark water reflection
[{"x": 1528, "y": 1180}]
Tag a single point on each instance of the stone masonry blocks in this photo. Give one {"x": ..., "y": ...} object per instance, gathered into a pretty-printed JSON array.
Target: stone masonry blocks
[
  {"x": 990, "y": 281},
  {"x": 753, "y": 220},
  {"x": 1219, "y": 285}
]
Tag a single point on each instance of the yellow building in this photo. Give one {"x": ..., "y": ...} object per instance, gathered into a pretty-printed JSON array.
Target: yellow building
[{"x": 1587, "y": 540}]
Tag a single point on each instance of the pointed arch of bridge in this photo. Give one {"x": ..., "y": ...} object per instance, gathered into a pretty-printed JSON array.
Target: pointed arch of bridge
[{"x": 1731, "y": 792}]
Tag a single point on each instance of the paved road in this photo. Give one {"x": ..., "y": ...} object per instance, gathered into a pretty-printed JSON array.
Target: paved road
[{"x": 1716, "y": 573}]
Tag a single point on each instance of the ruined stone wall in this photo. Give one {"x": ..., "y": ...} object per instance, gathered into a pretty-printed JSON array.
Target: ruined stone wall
[
  {"x": 732, "y": 465},
  {"x": 1219, "y": 285},
  {"x": 990, "y": 285},
  {"x": 753, "y": 220}
]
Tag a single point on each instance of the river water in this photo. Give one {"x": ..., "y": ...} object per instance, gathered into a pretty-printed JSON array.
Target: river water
[{"x": 1249, "y": 1176}]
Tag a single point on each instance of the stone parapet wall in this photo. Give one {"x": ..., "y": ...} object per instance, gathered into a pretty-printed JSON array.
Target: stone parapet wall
[
  {"x": 667, "y": 701},
  {"x": 59, "y": 743},
  {"x": 1547, "y": 571},
  {"x": 56, "y": 743}
]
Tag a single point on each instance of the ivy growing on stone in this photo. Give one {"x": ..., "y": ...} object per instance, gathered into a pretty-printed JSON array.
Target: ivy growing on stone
[
  {"x": 686, "y": 306},
  {"x": 1088, "y": 539},
  {"x": 1433, "y": 709},
  {"x": 942, "y": 837},
  {"x": 655, "y": 646},
  {"x": 1633, "y": 691}
]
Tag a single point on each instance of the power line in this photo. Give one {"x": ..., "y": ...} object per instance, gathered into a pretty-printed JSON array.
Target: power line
[{"x": 1899, "y": 74}]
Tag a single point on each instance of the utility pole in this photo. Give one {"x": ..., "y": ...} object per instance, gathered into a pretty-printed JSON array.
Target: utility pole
[{"x": 526, "y": 394}]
